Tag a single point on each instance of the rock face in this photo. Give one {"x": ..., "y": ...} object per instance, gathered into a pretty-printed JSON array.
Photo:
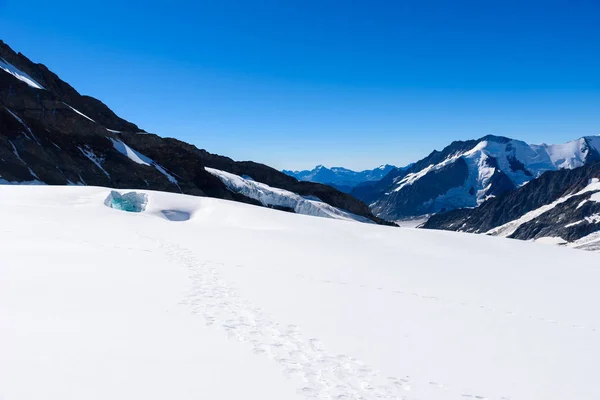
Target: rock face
[
  {"x": 466, "y": 174},
  {"x": 341, "y": 178},
  {"x": 50, "y": 134},
  {"x": 560, "y": 204}
]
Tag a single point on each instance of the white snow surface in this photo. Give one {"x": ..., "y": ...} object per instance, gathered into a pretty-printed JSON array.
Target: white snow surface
[
  {"x": 271, "y": 196},
  {"x": 569, "y": 155},
  {"x": 243, "y": 302},
  {"x": 552, "y": 240},
  {"x": 17, "y": 73}
]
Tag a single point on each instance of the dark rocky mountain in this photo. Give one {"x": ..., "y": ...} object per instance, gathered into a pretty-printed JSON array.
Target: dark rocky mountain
[
  {"x": 51, "y": 134},
  {"x": 466, "y": 173},
  {"x": 341, "y": 178},
  {"x": 561, "y": 204}
]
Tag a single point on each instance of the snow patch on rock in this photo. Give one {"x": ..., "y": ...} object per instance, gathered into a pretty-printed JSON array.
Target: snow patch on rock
[
  {"x": 17, "y": 73},
  {"x": 510, "y": 227},
  {"x": 139, "y": 158},
  {"x": 78, "y": 112}
]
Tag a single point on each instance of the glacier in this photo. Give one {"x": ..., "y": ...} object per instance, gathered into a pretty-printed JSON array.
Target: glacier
[
  {"x": 240, "y": 302},
  {"x": 271, "y": 196}
]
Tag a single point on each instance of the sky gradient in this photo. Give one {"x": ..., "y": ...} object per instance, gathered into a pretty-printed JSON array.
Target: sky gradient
[{"x": 299, "y": 83}]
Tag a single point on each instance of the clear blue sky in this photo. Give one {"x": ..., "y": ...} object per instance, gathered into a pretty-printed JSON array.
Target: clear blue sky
[{"x": 299, "y": 83}]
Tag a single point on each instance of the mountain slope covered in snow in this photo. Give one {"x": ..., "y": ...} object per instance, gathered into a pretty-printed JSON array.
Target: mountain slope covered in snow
[
  {"x": 341, "y": 178},
  {"x": 197, "y": 297},
  {"x": 465, "y": 174},
  {"x": 559, "y": 204},
  {"x": 50, "y": 134}
]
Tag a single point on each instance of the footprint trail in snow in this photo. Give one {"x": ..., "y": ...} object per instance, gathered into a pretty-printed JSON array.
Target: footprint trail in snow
[{"x": 326, "y": 376}]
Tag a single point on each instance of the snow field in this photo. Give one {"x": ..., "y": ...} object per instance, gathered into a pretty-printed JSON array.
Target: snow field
[{"x": 245, "y": 302}]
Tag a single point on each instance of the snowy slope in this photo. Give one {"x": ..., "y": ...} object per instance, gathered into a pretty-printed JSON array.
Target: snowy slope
[
  {"x": 572, "y": 154},
  {"x": 243, "y": 302},
  {"x": 509, "y": 228},
  {"x": 557, "y": 208},
  {"x": 271, "y": 196},
  {"x": 474, "y": 171}
]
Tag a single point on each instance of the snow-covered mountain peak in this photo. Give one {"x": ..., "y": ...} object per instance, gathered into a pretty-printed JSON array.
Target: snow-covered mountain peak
[
  {"x": 341, "y": 170},
  {"x": 385, "y": 166},
  {"x": 465, "y": 174},
  {"x": 572, "y": 154}
]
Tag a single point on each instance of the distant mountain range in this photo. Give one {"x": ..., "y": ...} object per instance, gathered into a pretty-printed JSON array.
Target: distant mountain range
[
  {"x": 341, "y": 178},
  {"x": 467, "y": 173}
]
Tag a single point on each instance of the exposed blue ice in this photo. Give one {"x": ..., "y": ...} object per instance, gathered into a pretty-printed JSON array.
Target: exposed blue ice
[{"x": 130, "y": 202}]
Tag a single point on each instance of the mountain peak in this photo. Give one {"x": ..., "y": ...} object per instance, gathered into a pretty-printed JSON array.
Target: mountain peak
[
  {"x": 343, "y": 179},
  {"x": 466, "y": 173},
  {"x": 495, "y": 138}
]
